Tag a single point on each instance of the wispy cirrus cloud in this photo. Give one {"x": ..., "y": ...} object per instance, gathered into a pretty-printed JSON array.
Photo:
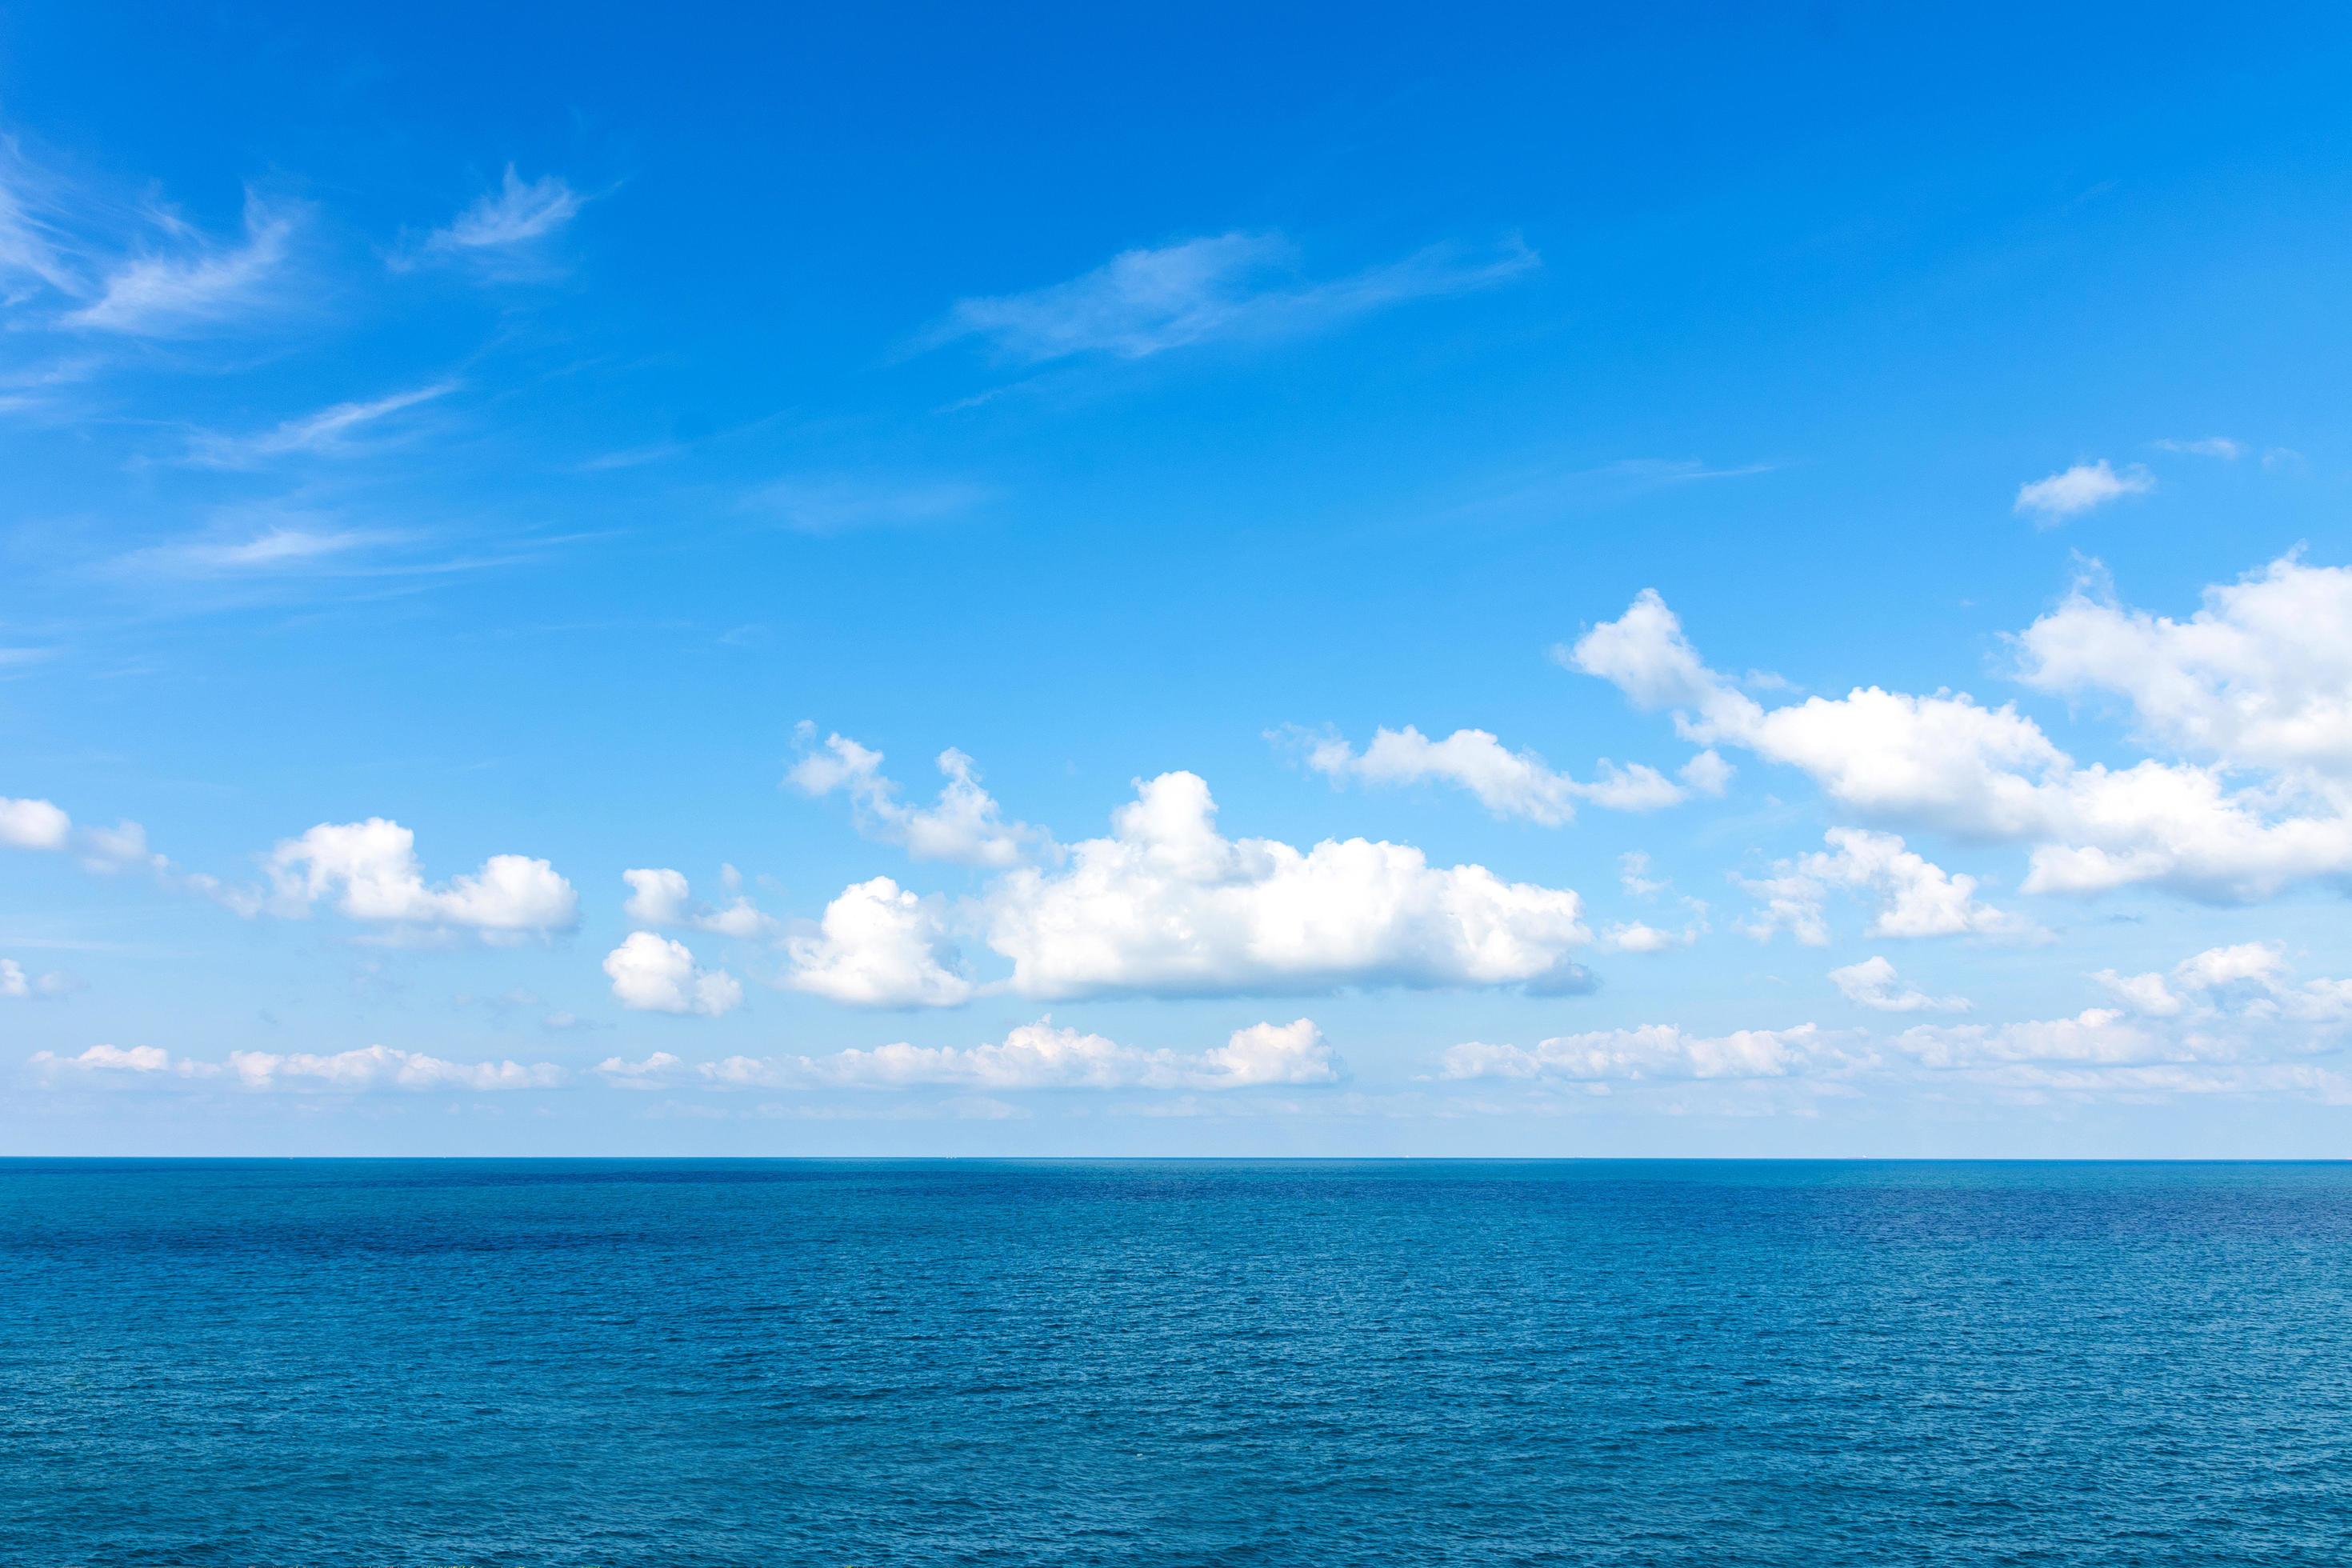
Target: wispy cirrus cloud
[
  {"x": 331, "y": 431},
  {"x": 198, "y": 285},
  {"x": 1146, "y": 301},
  {"x": 504, "y": 230},
  {"x": 839, "y": 503}
]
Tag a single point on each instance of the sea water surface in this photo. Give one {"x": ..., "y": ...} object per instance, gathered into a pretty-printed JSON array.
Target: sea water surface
[{"x": 1068, "y": 1364}]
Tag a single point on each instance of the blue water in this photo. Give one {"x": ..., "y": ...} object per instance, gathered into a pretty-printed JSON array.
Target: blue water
[{"x": 676, "y": 1364}]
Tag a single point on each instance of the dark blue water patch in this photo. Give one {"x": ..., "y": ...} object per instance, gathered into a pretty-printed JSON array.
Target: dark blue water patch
[{"x": 1189, "y": 1362}]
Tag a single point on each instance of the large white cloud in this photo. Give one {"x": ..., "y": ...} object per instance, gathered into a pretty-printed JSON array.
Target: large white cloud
[
  {"x": 1945, "y": 762},
  {"x": 2261, "y": 677},
  {"x": 880, "y": 945},
  {"x": 653, "y": 975},
  {"x": 1166, "y": 904},
  {"x": 1648, "y": 1051},
  {"x": 965, "y": 826},
  {"x": 371, "y": 871},
  {"x": 1506, "y": 782},
  {"x": 1034, "y": 1055}
]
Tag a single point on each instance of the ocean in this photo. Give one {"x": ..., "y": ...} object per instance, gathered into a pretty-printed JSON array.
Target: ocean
[{"x": 410, "y": 1362}]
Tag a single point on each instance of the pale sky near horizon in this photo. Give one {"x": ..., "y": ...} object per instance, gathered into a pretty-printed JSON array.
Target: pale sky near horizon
[{"x": 1519, "y": 581}]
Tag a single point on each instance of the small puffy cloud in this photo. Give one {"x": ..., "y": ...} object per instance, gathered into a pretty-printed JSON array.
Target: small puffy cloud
[
  {"x": 121, "y": 848},
  {"x": 200, "y": 287},
  {"x": 1637, "y": 936},
  {"x": 655, "y": 975},
  {"x": 659, "y": 896},
  {"x": 880, "y": 945},
  {"x": 371, "y": 871},
  {"x": 18, "y": 985},
  {"x": 1508, "y": 783},
  {"x": 1871, "y": 983},
  {"x": 1146, "y": 301},
  {"x": 1915, "y": 897},
  {"x": 33, "y": 825},
  {"x": 656, "y": 1071},
  {"x": 1634, "y": 874},
  {"x": 1047, "y": 1056},
  {"x": 1650, "y": 1051},
  {"x": 2077, "y": 489},
  {"x": 964, "y": 825}
]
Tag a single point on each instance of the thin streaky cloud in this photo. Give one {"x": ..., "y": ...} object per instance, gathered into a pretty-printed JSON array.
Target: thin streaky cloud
[
  {"x": 501, "y": 225},
  {"x": 329, "y": 431},
  {"x": 1146, "y": 301},
  {"x": 2219, "y": 446}
]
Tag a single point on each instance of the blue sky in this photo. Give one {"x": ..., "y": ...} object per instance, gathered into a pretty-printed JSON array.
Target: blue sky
[{"x": 1525, "y": 582}]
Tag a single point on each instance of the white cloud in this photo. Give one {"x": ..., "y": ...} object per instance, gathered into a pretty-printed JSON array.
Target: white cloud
[
  {"x": 655, "y": 975},
  {"x": 1046, "y": 1056},
  {"x": 2259, "y": 678},
  {"x": 503, "y": 222},
  {"x": 329, "y": 432},
  {"x": 2226, "y": 1005},
  {"x": 105, "y": 1061},
  {"x": 1871, "y": 983},
  {"x": 1650, "y": 1051},
  {"x": 659, "y": 896},
  {"x": 1145, "y": 303},
  {"x": 203, "y": 286},
  {"x": 965, "y": 826},
  {"x": 372, "y": 1068},
  {"x": 33, "y": 825},
  {"x": 1167, "y": 905},
  {"x": 1947, "y": 762},
  {"x": 657, "y": 1071},
  {"x": 2219, "y": 446},
  {"x": 1633, "y": 936},
  {"x": 2078, "y": 490},
  {"x": 1634, "y": 873},
  {"x": 880, "y": 945},
  {"x": 1506, "y": 782},
  {"x": 371, "y": 870},
  {"x": 1915, "y": 897},
  {"x": 380, "y": 1067}
]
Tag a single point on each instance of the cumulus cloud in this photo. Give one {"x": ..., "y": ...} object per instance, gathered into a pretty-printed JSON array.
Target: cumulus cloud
[
  {"x": 2077, "y": 489},
  {"x": 1635, "y": 936},
  {"x": 18, "y": 985},
  {"x": 880, "y": 945},
  {"x": 1650, "y": 1051},
  {"x": 1043, "y": 1054},
  {"x": 1871, "y": 983},
  {"x": 1508, "y": 783},
  {"x": 1146, "y": 301},
  {"x": 1166, "y": 904},
  {"x": 2261, "y": 677},
  {"x": 964, "y": 825},
  {"x": 371, "y": 872},
  {"x": 659, "y": 896},
  {"x": 1914, "y": 895},
  {"x": 200, "y": 286},
  {"x": 653, "y": 975},
  {"x": 33, "y": 825},
  {"x": 1944, "y": 762}
]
